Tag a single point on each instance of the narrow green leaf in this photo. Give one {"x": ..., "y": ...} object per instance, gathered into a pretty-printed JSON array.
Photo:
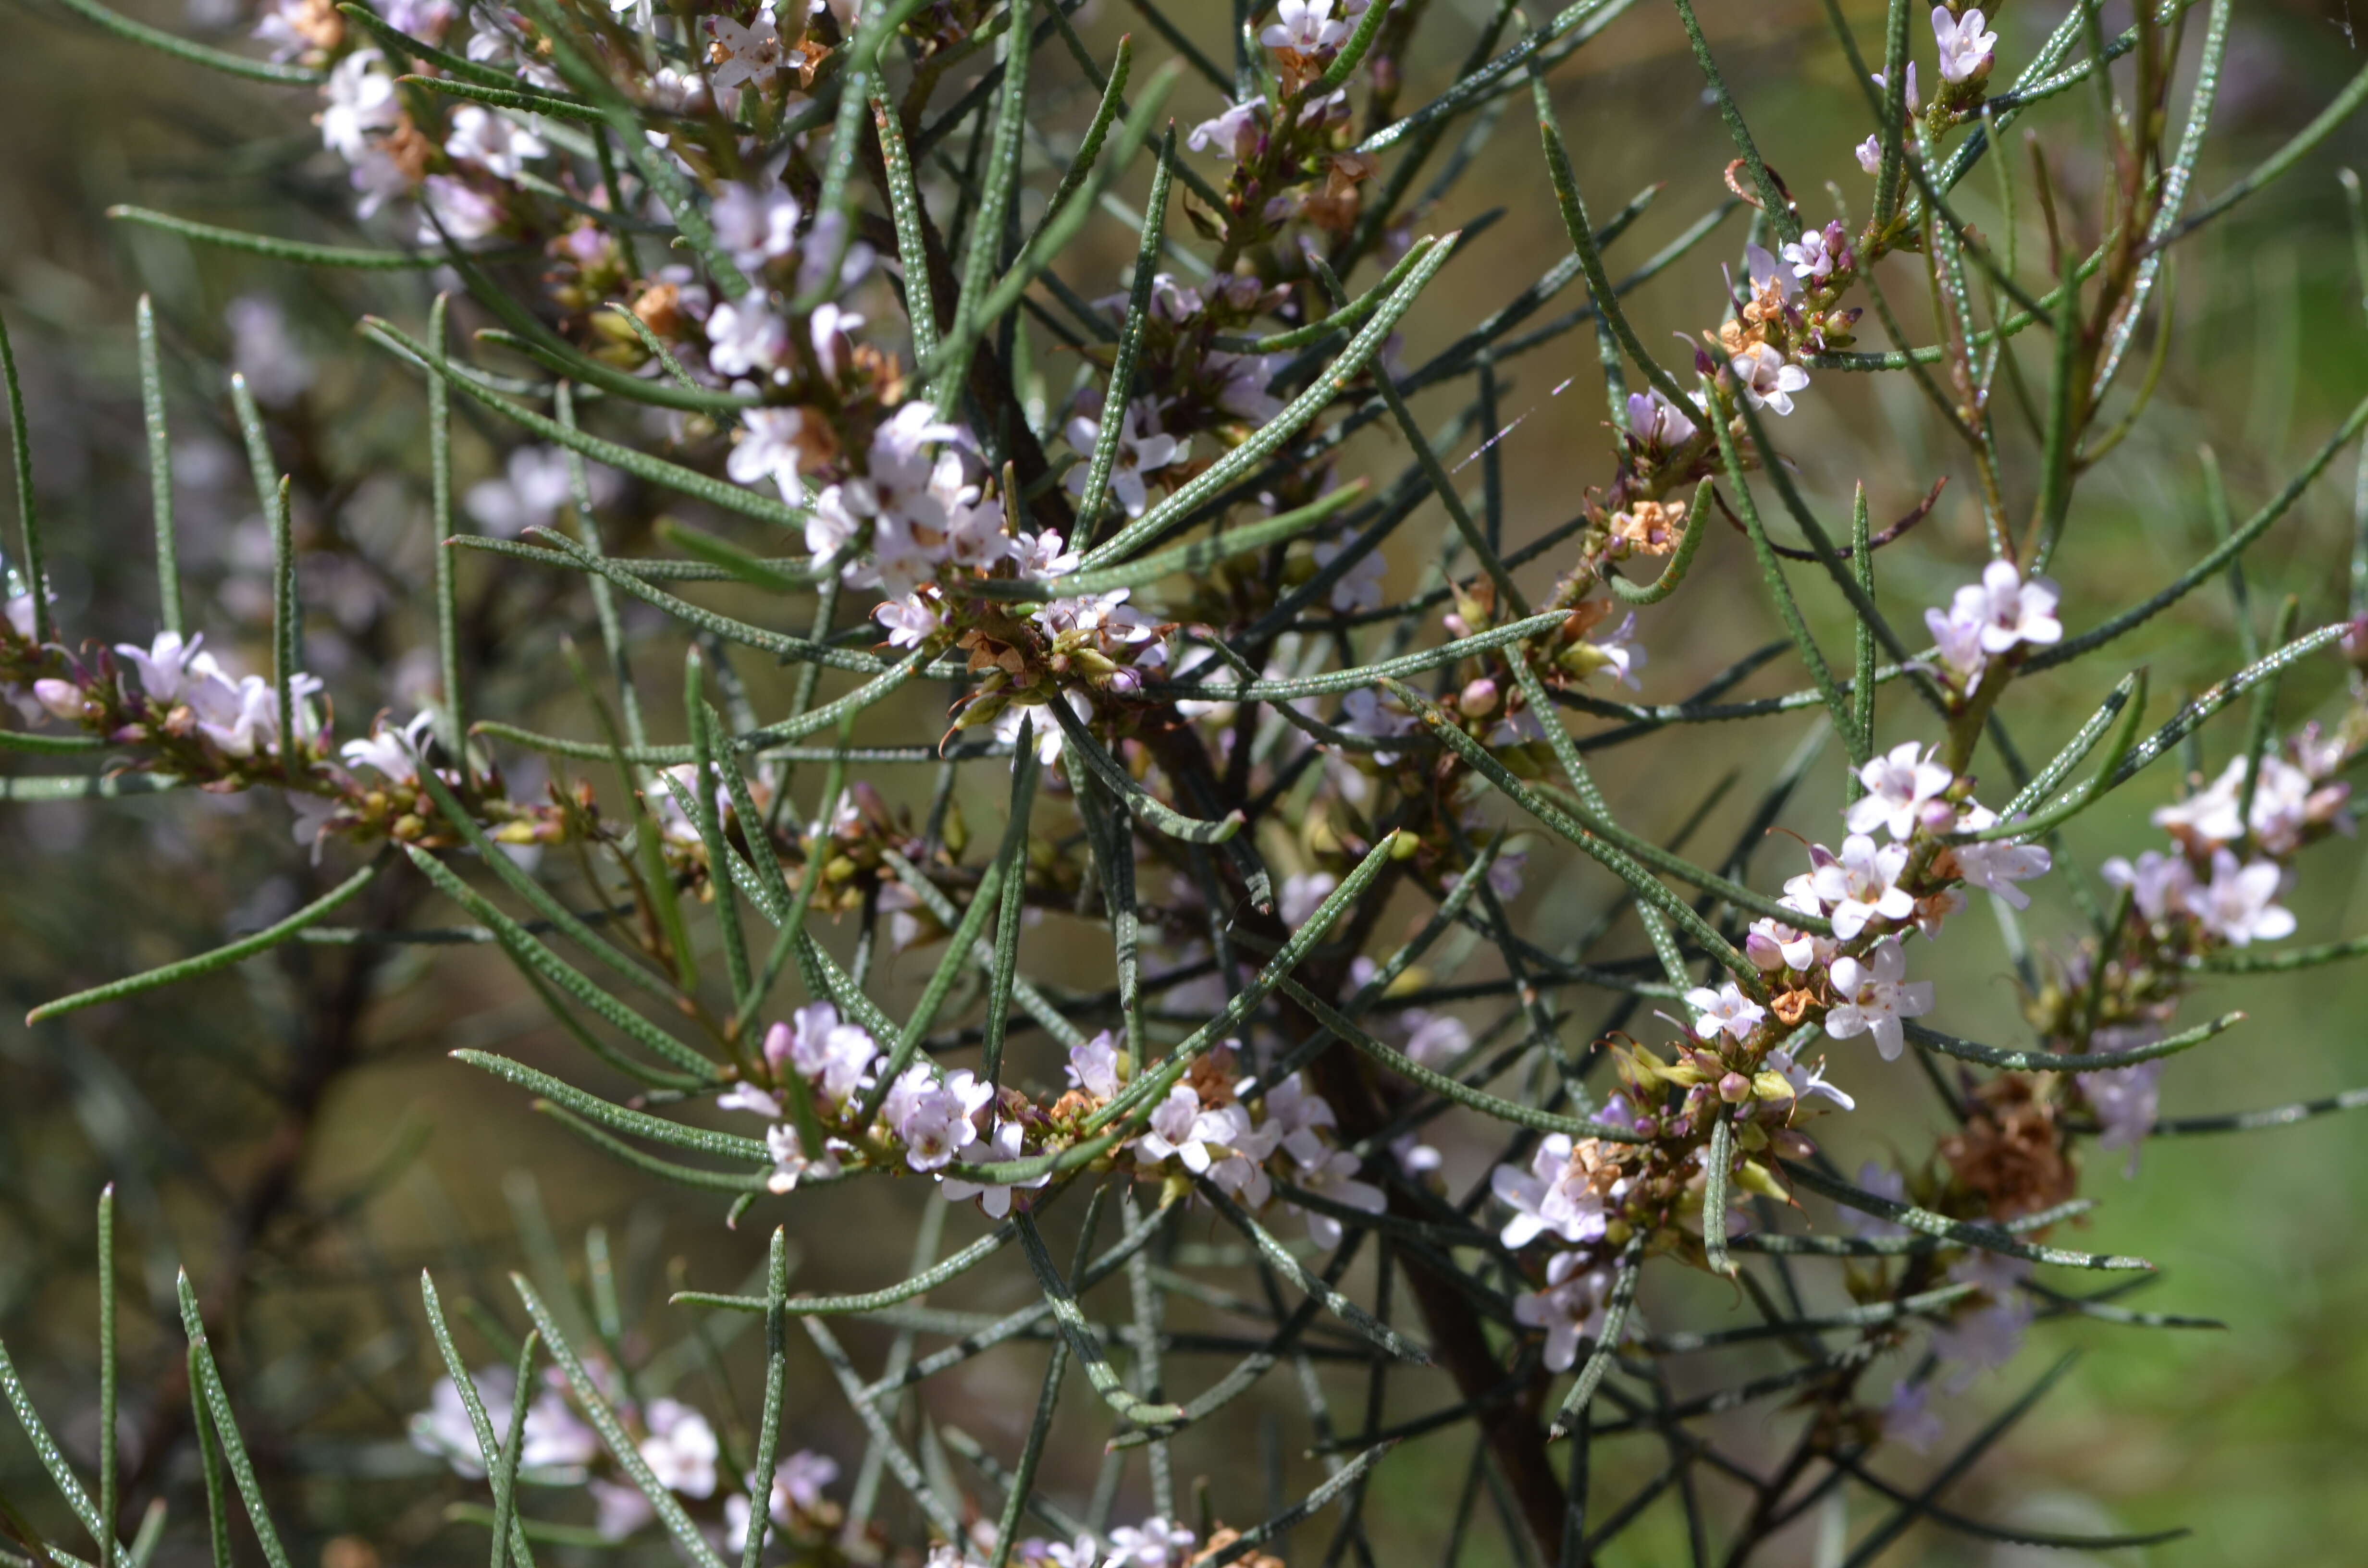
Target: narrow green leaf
[
  {"x": 160, "y": 478},
  {"x": 209, "y": 1465},
  {"x": 1961, "y": 1233},
  {"x": 2064, "y": 1062},
  {"x": 637, "y": 1124},
  {"x": 109, "y": 1439},
  {"x": 45, "y": 1448},
  {"x": 29, "y": 515},
  {"x": 220, "y": 958},
  {"x": 195, "y": 54},
  {"x": 226, "y": 1429},
  {"x": 301, "y": 252}
]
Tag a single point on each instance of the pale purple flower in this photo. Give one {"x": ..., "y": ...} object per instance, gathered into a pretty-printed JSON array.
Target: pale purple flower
[
  {"x": 553, "y": 1437},
  {"x": 1359, "y": 587},
  {"x": 993, "y": 1198},
  {"x": 933, "y": 1118},
  {"x": 162, "y": 664},
  {"x": 822, "y": 244},
  {"x": 1305, "y": 26},
  {"x": 1047, "y": 734},
  {"x": 2161, "y": 885},
  {"x": 534, "y": 488},
  {"x": 1965, "y": 49},
  {"x": 1957, "y": 633},
  {"x": 1915, "y": 103},
  {"x": 1571, "y": 1309},
  {"x": 1767, "y": 378},
  {"x": 1815, "y": 255},
  {"x": 1763, "y": 271},
  {"x": 618, "y": 1508},
  {"x": 1293, "y": 1115},
  {"x": 1860, "y": 885},
  {"x": 1772, "y": 945},
  {"x": 1883, "y": 1182},
  {"x": 1302, "y": 895},
  {"x": 1908, "y": 1419},
  {"x": 1996, "y": 867},
  {"x": 452, "y": 209},
  {"x": 749, "y": 1097},
  {"x": 797, "y": 1488},
  {"x": 680, "y": 1450},
  {"x": 1093, "y": 1067},
  {"x": 1554, "y": 1195},
  {"x": 394, "y": 753},
  {"x": 750, "y": 54},
  {"x": 1976, "y": 1341},
  {"x": 1239, "y": 1150},
  {"x": 832, "y": 1055},
  {"x": 1661, "y": 425},
  {"x": 746, "y": 338},
  {"x": 1044, "y": 555},
  {"x": 1727, "y": 1010},
  {"x": 1869, "y": 153},
  {"x": 1243, "y": 392},
  {"x": 911, "y": 620},
  {"x": 1434, "y": 1037},
  {"x": 1143, "y": 449},
  {"x": 2125, "y": 1099},
  {"x": 792, "y": 1164},
  {"x": 831, "y": 331},
  {"x": 1897, "y": 784},
  {"x": 2240, "y": 904},
  {"x": 768, "y": 448},
  {"x": 358, "y": 103},
  {"x": 1332, "y": 1177},
  {"x": 1233, "y": 134},
  {"x": 263, "y": 350},
  {"x": 1363, "y": 712},
  {"x": 2287, "y": 802},
  {"x": 1170, "y": 1133},
  {"x": 755, "y": 226},
  {"x": 1807, "y": 1080},
  {"x": 1157, "y": 1542},
  {"x": 2009, "y": 609},
  {"x": 494, "y": 143},
  {"x": 1621, "y": 653},
  {"x": 1874, "y": 995}
]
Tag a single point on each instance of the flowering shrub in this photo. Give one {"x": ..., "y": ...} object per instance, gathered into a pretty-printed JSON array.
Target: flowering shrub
[{"x": 725, "y": 246}]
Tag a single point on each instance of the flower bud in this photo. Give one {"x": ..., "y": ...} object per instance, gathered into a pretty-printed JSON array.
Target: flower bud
[
  {"x": 62, "y": 697},
  {"x": 1478, "y": 697},
  {"x": 777, "y": 1047},
  {"x": 1735, "y": 1089}
]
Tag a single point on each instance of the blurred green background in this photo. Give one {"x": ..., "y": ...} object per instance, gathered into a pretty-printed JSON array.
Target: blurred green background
[{"x": 291, "y": 1131}]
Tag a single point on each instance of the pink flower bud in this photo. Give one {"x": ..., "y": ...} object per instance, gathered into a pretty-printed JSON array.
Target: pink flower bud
[
  {"x": 1735, "y": 1089},
  {"x": 62, "y": 697},
  {"x": 777, "y": 1047},
  {"x": 1479, "y": 697}
]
